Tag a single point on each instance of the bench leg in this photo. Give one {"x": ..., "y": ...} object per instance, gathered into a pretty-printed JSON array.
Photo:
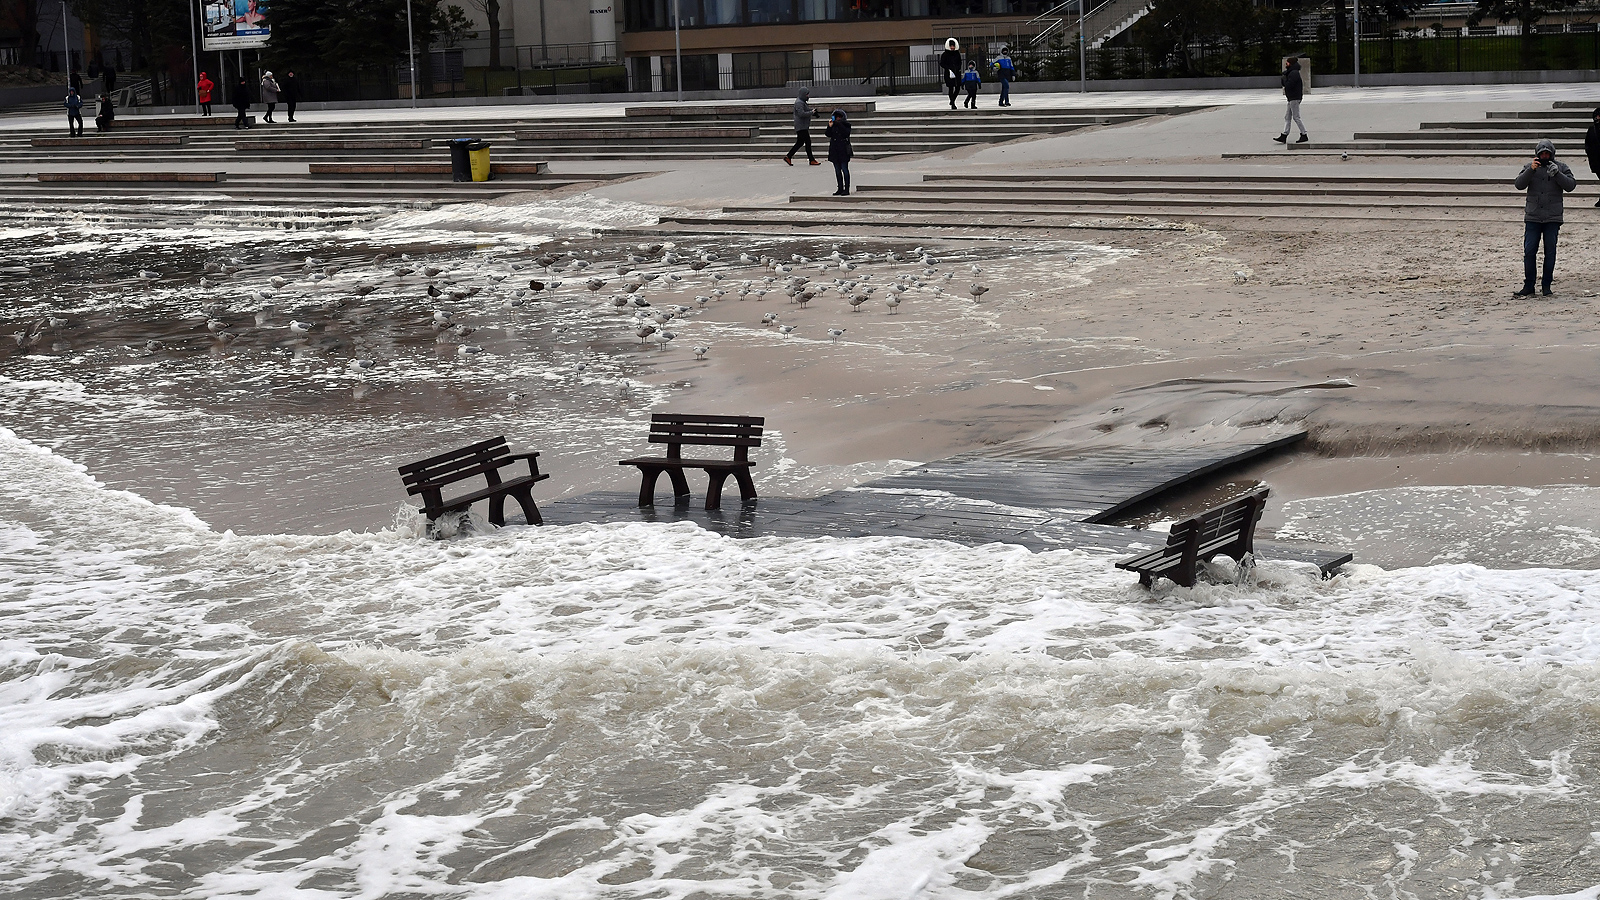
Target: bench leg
[
  {"x": 647, "y": 485},
  {"x": 530, "y": 510},
  {"x": 680, "y": 483},
  {"x": 714, "y": 489},
  {"x": 497, "y": 510},
  {"x": 747, "y": 485},
  {"x": 1146, "y": 580}
]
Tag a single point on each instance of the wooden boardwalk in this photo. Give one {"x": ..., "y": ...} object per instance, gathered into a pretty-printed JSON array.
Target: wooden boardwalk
[{"x": 1041, "y": 504}]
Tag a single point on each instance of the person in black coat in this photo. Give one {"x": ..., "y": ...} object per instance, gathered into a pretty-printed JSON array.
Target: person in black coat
[
  {"x": 1591, "y": 147},
  {"x": 290, "y": 92},
  {"x": 107, "y": 113},
  {"x": 241, "y": 102},
  {"x": 839, "y": 150},
  {"x": 1294, "y": 88},
  {"x": 950, "y": 67}
]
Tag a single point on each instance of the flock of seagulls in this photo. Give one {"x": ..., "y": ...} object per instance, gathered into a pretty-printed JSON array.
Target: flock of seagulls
[{"x": 453, "y": 294}]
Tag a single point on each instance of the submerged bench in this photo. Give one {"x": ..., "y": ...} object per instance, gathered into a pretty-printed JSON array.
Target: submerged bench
[
  {"x": 675, "y": 430},
  {"x": 1228, "y": 530},
  {"x": 429, "y": 477},
  {"x": 136, "y": 177},
  {"x": 113, "y": 140}
]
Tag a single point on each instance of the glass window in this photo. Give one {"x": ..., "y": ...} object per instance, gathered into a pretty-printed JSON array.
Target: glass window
[
  {"x": 721, "y": 12},
  {"x": 820, "y": 10},
  {"x": 699, "y": 72},
  {"x": 767, "y": 12},
  {"x": 869, "y": 62}
]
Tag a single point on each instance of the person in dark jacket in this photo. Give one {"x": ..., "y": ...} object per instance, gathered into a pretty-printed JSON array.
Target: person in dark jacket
[
  {"x": 1545, "y": 179},
  {"x": 802, "y": 128},
  {"x": 1591, "y": 147},
  {"x": 839, "y": 151},
  {"x": 290, "y": 93},
  {"x": 950, "y": 68},
  {"x": 241, "y": 102},
  {"x": 108, "y": 78},
  {"x": 107, "y": 114},
  {"x": 1294, "y": 88},
  {"x": 74, "y": 105},
  {"x": 1005, "y": 70},
  {"x": 75, "y": 82}
]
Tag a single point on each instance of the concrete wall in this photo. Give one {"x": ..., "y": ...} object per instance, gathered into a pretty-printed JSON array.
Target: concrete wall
[{"x": 49, "y": 93}]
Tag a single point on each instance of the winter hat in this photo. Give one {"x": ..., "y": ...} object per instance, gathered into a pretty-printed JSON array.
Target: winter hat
[{"x": 951, "y": 44}]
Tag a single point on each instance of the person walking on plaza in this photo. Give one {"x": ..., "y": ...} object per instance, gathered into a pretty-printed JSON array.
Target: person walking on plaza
[
  {"x": 802, "y": 128},
  {"x": 1294, "y": 88},
  {"x": 839, "y": 150},
  {"x": 290, "y": 94},
  {"x": 1545, "y": 179},
  {"x": 269, "y": 95},
  {"x": 971, "y": 80},
  {"x": 74, "y": 105},
  {"x": 203, "y": 89},
  {"x": 950, "y": 68},
  {"x": 106, "y": 115},
  {"x": 1005, "y": 70},
  {"x": 241, "y": 102},
  {"x": 75, "y": 81},
  {"x": 1591, "y": 147}
]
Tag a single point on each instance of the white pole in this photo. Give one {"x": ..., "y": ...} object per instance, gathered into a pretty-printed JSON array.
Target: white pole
[
  {"x": 66, "y": 48},
  {"x": 1083, "y": 57},
  {"x": 194, "y": 56},
  {"x": 677, "y": 50},
  {"x": 411, "y": 51},
  {"x": 1357, "y": 30}
]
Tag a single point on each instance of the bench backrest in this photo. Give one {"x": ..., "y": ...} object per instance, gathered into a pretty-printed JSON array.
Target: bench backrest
[
  {"x": 483, "y": 458},
  {"x": 1238, "y": 518},
  {"x": 677, "y": 429}
]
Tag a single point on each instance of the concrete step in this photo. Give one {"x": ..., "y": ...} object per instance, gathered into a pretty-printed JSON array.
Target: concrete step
[
  {"x": 965, "y": 202},
  {"x": 1045, "y": 191},
  {"x": 1151, "y": 177}
]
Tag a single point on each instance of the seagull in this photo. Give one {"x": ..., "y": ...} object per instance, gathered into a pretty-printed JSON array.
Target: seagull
[
  {"x": 977, "y": 270},
  {"x": 595, "y": 284},
  {"x": 769, "y": 319},
  {"x": 1345, "y": 155},
  {"x": 701, "y": 351},
  {"x": 894, "y": 302},
  {"x": 431, "y": 271},
  {"x": 468, "y": 349},
  {"x": 1241, "y": 276},
  {"x": 364, "y": 289},
  {"x": 977, "y": 290},
  {"x": 702, "y": 300},
  {"x": 149, "y": 273},
  {"x": 215, "y": 325},
  {"x": 361, "y": 363},
  {"x": 662, "y": 338},
  {"x": 856, "y": 301},
  {"x": 298, "y": 327},
  {"x": 787, "y": 329},
  {"x": 836, "y": 333},
  {"x": 440, "y": 317},
  {"x": 644, "y": 331}
]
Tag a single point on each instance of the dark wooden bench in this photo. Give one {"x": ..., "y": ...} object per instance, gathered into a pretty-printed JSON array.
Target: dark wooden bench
[
  {"x": 1228, "y": 530},
  {"x": 429, "y": 477},
  {"x": 675, "y": 430}
]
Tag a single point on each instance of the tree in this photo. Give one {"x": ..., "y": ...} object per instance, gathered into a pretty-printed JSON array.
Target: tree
[
  {"x": 1527, "y": 14},
  {"x": 19, "y": 21},
  {"x": 491, "y": 15}
]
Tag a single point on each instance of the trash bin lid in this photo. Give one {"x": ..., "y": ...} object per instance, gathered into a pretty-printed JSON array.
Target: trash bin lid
[
  {"x": 462, "y": 141},
  {"x": 477, "y": 144}
]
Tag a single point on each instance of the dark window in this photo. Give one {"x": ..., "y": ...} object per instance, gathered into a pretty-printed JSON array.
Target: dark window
[
  {"x": 868, "y": 62},
  {"x": 699, "y": 72}
]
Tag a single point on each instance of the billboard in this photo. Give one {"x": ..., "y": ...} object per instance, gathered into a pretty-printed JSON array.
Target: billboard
[{"x": 235, "y": 24}]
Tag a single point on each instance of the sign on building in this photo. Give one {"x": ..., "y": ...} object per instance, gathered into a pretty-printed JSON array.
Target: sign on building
[{"x": 235, "y": 24}]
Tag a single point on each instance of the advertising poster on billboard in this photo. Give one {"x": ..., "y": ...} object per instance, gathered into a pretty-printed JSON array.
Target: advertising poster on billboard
[{"x": 235, "y": 24}]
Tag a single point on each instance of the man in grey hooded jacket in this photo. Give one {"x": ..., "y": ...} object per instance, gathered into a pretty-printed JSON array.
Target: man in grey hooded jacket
[
  {"x": 802, "y": 128},
  {"x": 1545, "y": 179}
]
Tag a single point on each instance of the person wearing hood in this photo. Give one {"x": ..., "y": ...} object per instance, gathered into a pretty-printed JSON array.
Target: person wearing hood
[
  {"x": 241, "y": 102},
  {"x": 802, "y": 128},
  {"x": 971, "y": 80},
  {"x": 74, "y": 105},
  {"x": 1006, "y": 70},
  {"x": 269, "y": 94},
  {"x": 290, "y": 94},
  {"x": 1294, "y": 88},
  {"x": 950, "y": 67},
  {"x": 203, "y": 89},
  {"x": 106, "y": 114},
  {"x": 1591, "y": 147},
  {"x": 839, "y": 150},
  {"x": 1545, "y": 179}
]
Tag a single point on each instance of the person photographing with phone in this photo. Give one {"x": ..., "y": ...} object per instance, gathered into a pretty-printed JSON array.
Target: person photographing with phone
[{"x": 1546, "y": 179}]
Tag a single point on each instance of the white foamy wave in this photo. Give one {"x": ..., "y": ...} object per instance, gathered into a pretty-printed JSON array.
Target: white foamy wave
[{"x": 577, "y": 213}]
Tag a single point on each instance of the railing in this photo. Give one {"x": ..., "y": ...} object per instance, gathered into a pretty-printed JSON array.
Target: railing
[{"x": 566, "y": 56}]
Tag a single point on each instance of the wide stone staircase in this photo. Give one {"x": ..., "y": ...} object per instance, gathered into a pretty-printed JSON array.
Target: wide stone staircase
[
  {"x": 1499, "y": 134},
  {"x": 318, "y": 173}
]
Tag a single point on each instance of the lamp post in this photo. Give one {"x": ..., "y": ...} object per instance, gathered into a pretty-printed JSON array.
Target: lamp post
[
  {"x": 1357, "y": 30},
  {"x": 677, "y": 50},
  {"x": 411, "y": 53},
  {"x": 1083, "y": 57}
]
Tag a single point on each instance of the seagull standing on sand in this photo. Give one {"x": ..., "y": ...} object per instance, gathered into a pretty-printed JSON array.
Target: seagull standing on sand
[
  {"x": 836, "y": 333},
  {"x": 977, "y": 290}
]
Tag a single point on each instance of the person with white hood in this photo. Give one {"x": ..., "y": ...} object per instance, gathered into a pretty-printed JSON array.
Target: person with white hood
[
  {"x": 269, "y": 94},
  {"x": 951, "y": 68}
]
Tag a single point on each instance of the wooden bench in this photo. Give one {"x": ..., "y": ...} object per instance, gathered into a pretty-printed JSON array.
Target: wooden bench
[
  {"x": 675, "y": 430},
  {"x": 1228, "y": 530},
  {"x": 429, "y": 477}
]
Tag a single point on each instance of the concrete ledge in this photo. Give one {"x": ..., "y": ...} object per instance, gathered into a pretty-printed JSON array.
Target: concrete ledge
[
  {"x": 718, "y": 132},
  {"x": 219, "y": 120},
  {"x": 419, "y": 169},
  {"x": 135, "y": 177},
  {"x": 741, "y": 109},
  {"x": 395, "y": 144},
  {"x": 148, "y": 140}
]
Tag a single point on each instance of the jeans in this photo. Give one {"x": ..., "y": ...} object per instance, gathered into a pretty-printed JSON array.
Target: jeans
[
  {"x": 1293, "y": 114},
  {"x": 74, "y": 122},
  {"x": 1005, "y": 91},
  {"x": 841, "y": 171},
  {"x": 1532, "y": 232},
  {"x": 801, "y": 139}
]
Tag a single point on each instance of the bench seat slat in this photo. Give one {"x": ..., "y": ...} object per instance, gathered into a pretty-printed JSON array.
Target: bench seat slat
[
  {"x": 468, "y": 450},
  {"x": 466, "y": 500},
  {"x": 684, "y": 418},
  {"x": 705, "y": 441},
  {"x": 445, "y": 475},
  {"x": 687, "y": 463}
]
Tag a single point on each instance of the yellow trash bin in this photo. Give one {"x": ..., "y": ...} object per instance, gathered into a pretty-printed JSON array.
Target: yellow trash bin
[{"x": 478, "y": 153}]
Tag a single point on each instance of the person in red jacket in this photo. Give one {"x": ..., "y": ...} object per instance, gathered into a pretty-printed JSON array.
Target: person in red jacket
[{"x": 203, "y": 93}]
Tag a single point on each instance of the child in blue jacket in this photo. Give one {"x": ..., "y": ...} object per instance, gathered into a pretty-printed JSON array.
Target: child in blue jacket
[{"x": 971, "y": 80}]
